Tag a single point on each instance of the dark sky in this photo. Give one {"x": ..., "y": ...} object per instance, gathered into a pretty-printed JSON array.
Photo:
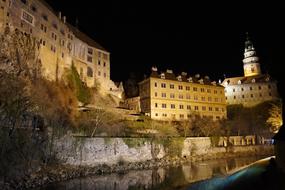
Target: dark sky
[{"x": 205, "y": 37}]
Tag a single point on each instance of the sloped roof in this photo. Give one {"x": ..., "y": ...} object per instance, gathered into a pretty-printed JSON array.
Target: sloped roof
[
  {"x": 184, "y": 78},
  {"x": 247, "y": 80},
  {"x": 80, "y": 35}
]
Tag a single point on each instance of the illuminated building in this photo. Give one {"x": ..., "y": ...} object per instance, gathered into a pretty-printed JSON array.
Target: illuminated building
[
  {"x": 165, "y": 96},
  {"x": 60, "y": 44},
  {"x": 252, "y": 88}
]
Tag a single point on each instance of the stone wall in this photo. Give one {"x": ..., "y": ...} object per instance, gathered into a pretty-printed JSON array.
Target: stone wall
[{"x": 110, "y": 151}]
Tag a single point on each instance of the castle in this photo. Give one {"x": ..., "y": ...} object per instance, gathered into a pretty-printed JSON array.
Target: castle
[
  {"x": 254, "y": 87},
  {"x": 165, "y": 96},
  {"x": 61, "y": 44}
]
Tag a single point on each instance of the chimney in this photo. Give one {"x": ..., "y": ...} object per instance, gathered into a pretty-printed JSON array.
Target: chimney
[
  {"x": 184, "y": 74},
  {"x": 64, "y": 19},
  {"x": 59, "y": 15}
]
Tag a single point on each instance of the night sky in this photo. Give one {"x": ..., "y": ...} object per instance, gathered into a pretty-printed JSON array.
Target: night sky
[{"x": 206, "y": 37}]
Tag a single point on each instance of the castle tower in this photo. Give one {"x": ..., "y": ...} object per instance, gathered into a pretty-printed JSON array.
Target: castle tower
[{"x": 251, "y": 65}]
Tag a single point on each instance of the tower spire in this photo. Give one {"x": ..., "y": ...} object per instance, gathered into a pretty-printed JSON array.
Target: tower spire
[{"x": 251, "y": 60}]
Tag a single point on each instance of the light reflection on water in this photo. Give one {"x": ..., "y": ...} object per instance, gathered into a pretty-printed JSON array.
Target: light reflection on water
[{"x": 157, "y": 179}]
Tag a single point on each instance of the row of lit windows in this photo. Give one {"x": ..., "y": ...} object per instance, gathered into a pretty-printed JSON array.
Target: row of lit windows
[
  {"x": 251, "y": 88},
  {"x": 184, "y": 116},
  {"x": 252, "y": 96},
  {"x": 45, "y": 17},
  {"x": 188, "y": 107},
  {"x": 188, "y": 97},
  {"x": 187, "y": 88}
]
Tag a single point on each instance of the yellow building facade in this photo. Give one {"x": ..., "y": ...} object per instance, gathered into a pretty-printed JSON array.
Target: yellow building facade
[
  {"x": 60, "y": 44},
  {"x": 254, "y": 87},
  {"x": 165, "y": 96}
]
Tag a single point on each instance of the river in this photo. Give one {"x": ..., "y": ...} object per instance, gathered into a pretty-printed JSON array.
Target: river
[{"x": 157, "y": 179}]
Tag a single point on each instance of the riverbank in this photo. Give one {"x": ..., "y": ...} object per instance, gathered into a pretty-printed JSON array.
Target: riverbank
[{"x": 62, "y": 172}]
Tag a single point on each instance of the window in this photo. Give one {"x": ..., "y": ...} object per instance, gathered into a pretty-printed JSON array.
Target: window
[
  {"x": 188, "y": 116},
  {"x": 180, "y": 87},
  {"x": 163, "y": 85},
  {"x": 188, "y": 107},
  {"x": 27, "y": 17},
  {"x": 215, "y": 91},
  {"x": 234, "y": 90},
  {"x": 180, "y": 96},
  {"x": 156, "y": 114},
  {"x": 242, "y": 89},
  {"x": 156, "y": 105},
  {"x": 209, "y": 99},
  {"x": 164, "y": 115},
  {"x": 45, "y": 17},
  {"x": 195, "y": 89},
  {"x": 235, "y": 97},
  {"x": 202, "y": 90},
  {"x": 89, "y": 59},
  {"x": 269, "y": 86},
  {"x": 90, "y": 51},
  {"x": 251, "y": 95},
  {"x": 105, "y": 75},
  {"x": 104, "y": 64},
  {"x": 163, "y": 95},
  {"x": 155, "y": 84},
  {"x": 181, "y": 116},
  {"x": 34, "y": 8},
  {"x": 250, "y": 88},
  {"x": 55, "y": 26},
  {"x": 62, "y": 32},
  {"x": 196, "y": 108},
  {"x": 172, "y": 106},
  {"x": 89, "y": 72},
  {"x": 181, "y": 107},
  {"x": 195, "y": 97},
  {"x": 259, "y": 87},
  {"x": 172, "y": 95},
  {"x": 204, "y": 108},
  {"x": 24, "y": 1},
  {"x": 62, "y": 55},
  {"x": 99, "y": 73},
  {"x": 270, "y": 94},
  {"x": 188, "y": 97},
  {"x": 216, "y": 99},
  {"x": 210, "y": 108},
  {"x": 203, "y": 99},
  {"x": 209, "y": 90},
  {"x": 216, "y": 109},
  {"x": 243, "y": 96},
  {"x": 260, "y": 95},
  {"x": 171, "y": 86},
  {"x": 188, "y": 88},
  {"x": 155, "y": 94},
  {"x": 163, "y": 105}
]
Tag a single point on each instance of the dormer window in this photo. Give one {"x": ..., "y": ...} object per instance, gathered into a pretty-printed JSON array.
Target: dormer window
[
  {"x": 45, "y": 17},
  {"x": 201, "y": 81},
  {"x": 162, "y": 76},
  {"x": 190, "y": 79},
  {"x": 253, "y": 81},
  {"x": 179, "y": 78},
  {"x": 239, "y": 82}
]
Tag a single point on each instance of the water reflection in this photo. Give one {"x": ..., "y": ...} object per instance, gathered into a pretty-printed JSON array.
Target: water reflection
[{"x": 157, "y": 179}]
